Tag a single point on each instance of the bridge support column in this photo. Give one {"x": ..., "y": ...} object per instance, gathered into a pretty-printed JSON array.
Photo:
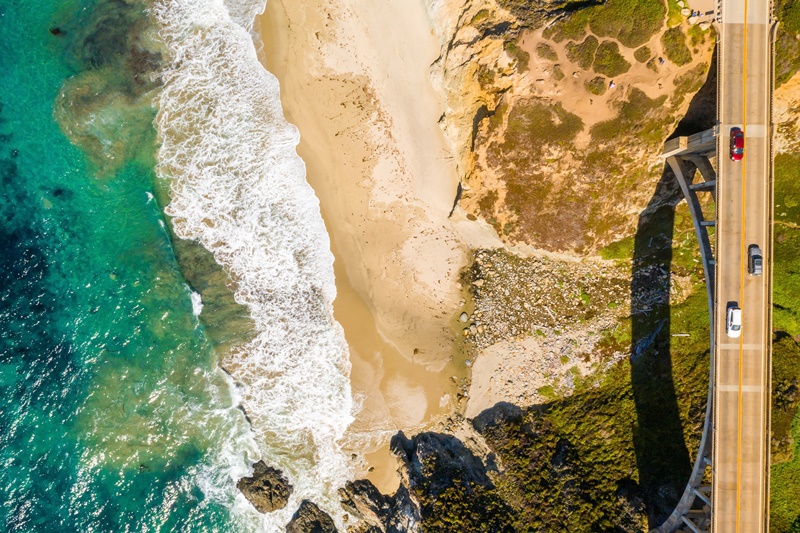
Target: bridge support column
[{"x": 686, "y": 156}]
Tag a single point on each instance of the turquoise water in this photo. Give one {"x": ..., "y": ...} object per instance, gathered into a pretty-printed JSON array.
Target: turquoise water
[{"x": 112, "y": 415}]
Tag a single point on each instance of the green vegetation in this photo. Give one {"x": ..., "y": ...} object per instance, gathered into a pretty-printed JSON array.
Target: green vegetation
[
  {"x": 621, "y": 250},
  {"x": 785, "y": 396},
  {"x": 521, "y": 56},
  {"x": 696, "y": 35},
  {"x": 545, "y": 51},
  {"x": 787, "y": 45},
  {"x": 786, "y": 288},
  {"x": 642, "y": 54},
  {"x": 485, "y": 76},
  {"x": 689, "y": 82},
  {"x": 608, "y": 61},
  {"x": 637, "y": 116},
  {"x": 674, "y": 43},
  {"x": 596, "y": 85},
  {"x": 674, "y": 17},
  {"x": 558, "y": 74},
  {"x": 534, "y": 125},
  {"x": 479, "y": 17},
  {"x": 785, "y": 473},
  {"x": 631, "y": 22},
  {"x": 583, "y": 54}
]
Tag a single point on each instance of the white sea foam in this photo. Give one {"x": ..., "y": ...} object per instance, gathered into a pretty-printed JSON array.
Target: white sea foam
[
  {"x": 238, "y": 188},
  {"x": 197, "y": 303}
]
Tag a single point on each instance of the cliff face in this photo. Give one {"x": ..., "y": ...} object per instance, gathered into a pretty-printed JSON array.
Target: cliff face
[{"x": 557, "y": 118}]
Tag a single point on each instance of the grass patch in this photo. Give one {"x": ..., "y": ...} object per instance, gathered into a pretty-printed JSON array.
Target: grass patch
[
  {"x": 634, "y": 116},
  {"x": 786, "y": 289},
  {"x": 631, "y": 22},
  {"x": 583, "y": 54},
  {"x": 642, "y": 54},
  {"x": 596, "y": 85},
  {"x": 608, "y": 60},
  {"x": 485, "y": 76},
  {"x": 674, "y": 43},
  {"x": 689, "y": 82},
  {"x": 674, "y": 17},
  {"x": 545, "y": 51},
  {"x": 520, "y": 56},
  {"x": 558, "y": 74},
  {"x": 535, "y": 124},
  {"x": 787, "y": 46},
  {"x": 785, "y": 472},
  {"x": 621, "y": 249},
  {"x": 479, "y": 17},
  {"x": 785, "y": 396},
  {"x": 697, "y": 35}
]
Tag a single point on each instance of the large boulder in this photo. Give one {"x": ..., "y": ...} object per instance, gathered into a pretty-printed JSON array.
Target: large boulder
[
  {"x": 266, "y": 489},
  {"x": 310, "y": 519}
]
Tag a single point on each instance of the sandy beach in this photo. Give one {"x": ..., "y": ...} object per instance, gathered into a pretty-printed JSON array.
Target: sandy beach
[{"x": 354, "y": 80}]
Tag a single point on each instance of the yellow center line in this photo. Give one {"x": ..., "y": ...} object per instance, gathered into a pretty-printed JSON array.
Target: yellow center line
[{"x": 741, "y": 281}]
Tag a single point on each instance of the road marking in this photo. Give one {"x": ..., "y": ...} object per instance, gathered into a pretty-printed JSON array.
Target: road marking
[
  {"x": 744, "y": 388},
  {"x": 741, "y": 283},
  {"x": 756, "y": 131},
  {"x": 737, "y": 347}
]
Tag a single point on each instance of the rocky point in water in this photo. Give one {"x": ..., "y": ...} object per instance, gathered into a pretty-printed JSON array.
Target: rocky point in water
[
  {"x": 310, "y": 519},
  {"x": 266, "y": 489}
]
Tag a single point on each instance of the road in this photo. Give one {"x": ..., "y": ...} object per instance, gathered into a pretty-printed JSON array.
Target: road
[{"x": 741, "y": 397}]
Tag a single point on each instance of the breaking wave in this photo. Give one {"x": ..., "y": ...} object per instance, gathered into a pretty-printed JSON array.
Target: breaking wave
[{"x": 238, "y": 187}]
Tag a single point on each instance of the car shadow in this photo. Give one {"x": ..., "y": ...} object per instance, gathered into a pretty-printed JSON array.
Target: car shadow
[{"x": 663, "y": 459}]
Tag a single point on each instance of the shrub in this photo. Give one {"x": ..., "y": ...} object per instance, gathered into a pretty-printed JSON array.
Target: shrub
[
  {"x": 674, "y": 43},
  {"x": 545, "y": 51},
  {"x": 596, "y": 85},
  {"x": 632, "y": 117},
  {"x": 521, "y": 56},
  {"x": 608, "y": 61},
  {"x": 583, "y": 54},
  {"x": 642, "y": 54},
  {"x": 631, "y": 22}
]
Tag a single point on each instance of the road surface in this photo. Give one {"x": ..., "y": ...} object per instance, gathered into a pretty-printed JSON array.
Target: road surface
[{"x": 741, "y": 396}]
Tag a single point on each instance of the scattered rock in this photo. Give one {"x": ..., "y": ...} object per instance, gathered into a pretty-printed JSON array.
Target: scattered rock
[
  {"x": 681, "y": 4},
  {"x": 266, "y": 489},
  {"x": 310, "y": 519},
  {"x": 686, "y": 11},
  {"x": 464, "y": 317}
]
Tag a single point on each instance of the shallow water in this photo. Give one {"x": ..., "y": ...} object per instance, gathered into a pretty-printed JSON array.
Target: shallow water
[{"x": 114, "y": 414}]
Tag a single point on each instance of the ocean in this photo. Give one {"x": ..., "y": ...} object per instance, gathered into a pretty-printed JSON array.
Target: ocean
[{"x": 157, "y": 228}]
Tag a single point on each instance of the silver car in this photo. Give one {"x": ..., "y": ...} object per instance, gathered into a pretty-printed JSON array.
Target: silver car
[{"x": 755, "y": 260}]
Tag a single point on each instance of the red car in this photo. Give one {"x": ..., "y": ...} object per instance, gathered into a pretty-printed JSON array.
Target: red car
[{"x": 737, "y": 144}]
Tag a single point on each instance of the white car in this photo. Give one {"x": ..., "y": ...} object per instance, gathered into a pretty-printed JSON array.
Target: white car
[{"x": 733, "y": 326}]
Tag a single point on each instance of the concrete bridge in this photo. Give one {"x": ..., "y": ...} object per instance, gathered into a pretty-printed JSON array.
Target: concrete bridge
[{"x": 735, "y": 442}]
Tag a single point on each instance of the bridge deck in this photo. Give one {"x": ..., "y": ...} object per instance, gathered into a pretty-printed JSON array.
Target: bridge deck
[{"x": 741, "y": 391}]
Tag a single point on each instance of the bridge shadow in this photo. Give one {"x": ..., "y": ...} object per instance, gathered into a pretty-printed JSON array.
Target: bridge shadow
[{"x": 663, "y": 459}]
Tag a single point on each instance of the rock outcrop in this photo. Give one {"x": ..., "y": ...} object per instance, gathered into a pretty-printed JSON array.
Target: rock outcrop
[
  {"x": 310, "y": 519},
  {"x": 377, "y": 513},
  {"x": 267, "y": 489}
]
